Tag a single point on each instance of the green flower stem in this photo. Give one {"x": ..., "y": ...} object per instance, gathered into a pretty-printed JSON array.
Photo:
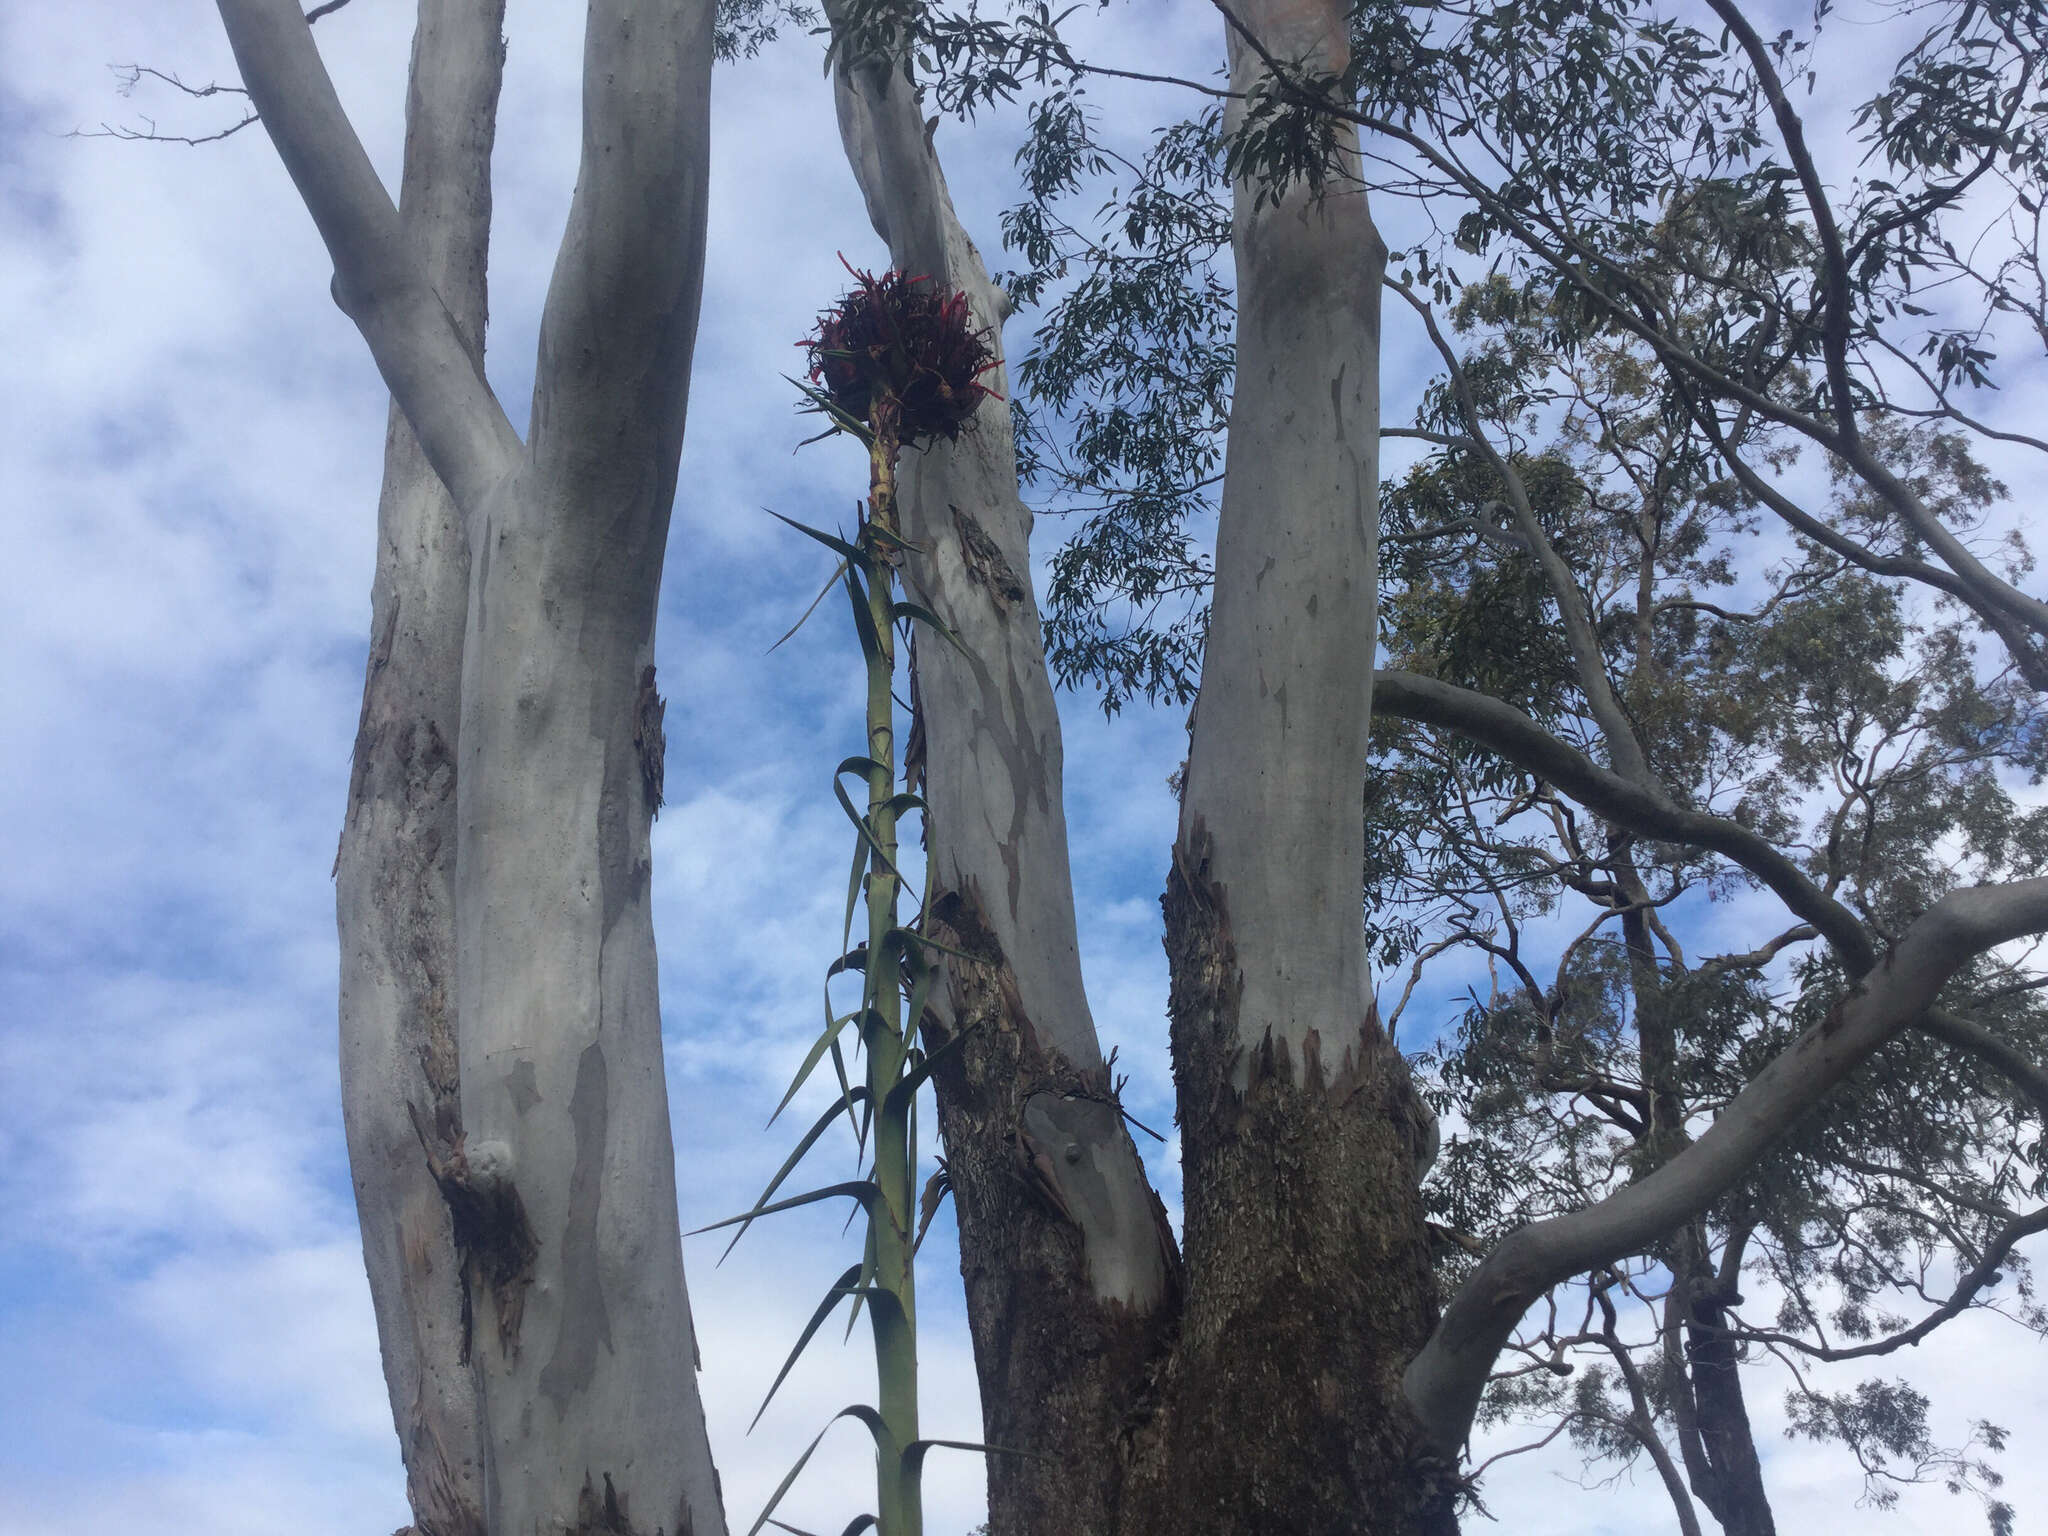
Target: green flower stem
[{"x": 885, "y": 1033}]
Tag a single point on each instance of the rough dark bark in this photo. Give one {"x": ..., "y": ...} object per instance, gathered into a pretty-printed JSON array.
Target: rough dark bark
[
  {"x": 1309, "y": 1287},
  {"x": 1062, "y": 1372},
  {"x": 1733, "y": 1488},
  {"x": 1715, "y": 1439}
]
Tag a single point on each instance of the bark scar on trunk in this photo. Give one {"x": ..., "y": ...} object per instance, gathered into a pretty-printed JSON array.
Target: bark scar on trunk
[
  {"x": 368, "y": 736},
  {"x": 650, "y": 739},
  {"x": 492, "y": 1234},
  {"x": 1064, "y": 1123},
  {"x": 986, "y": 564},
  {"x": 605, "y": 1514}
]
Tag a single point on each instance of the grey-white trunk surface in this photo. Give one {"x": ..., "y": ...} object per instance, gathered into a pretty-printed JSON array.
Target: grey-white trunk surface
[
  {"x": 1277, "y": 760},
  {"x": 394, "y": 872},
  {"x": 557, "y": 1165},
  {"x": 993, "y": 754},
  {"x": 587, "y": 1365}
]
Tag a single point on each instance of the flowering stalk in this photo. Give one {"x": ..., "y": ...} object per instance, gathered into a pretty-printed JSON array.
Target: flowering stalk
[
  {"x": 886, "y": 1033},
  {"x": 896, "y": 363}
]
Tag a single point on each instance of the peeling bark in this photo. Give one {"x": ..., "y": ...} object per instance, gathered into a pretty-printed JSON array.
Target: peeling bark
[{"x": 650, "y": 740}]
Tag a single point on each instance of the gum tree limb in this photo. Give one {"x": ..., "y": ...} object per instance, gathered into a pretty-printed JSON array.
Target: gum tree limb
[
  {"x": 1445, "y": 1381},
  {"x": 411, "y": 333}
]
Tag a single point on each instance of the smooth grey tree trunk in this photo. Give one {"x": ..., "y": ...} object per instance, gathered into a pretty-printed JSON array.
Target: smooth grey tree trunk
[
  {"x": 395, "y": 870},
  {"x": 586, "y": 1357},
  {"x": 1309, "y": 1286},
  {"x": 556, "y": 1165}
]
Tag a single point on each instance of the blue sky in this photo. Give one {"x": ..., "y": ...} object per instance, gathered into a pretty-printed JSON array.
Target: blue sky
[{"x": 190, "y": 448}]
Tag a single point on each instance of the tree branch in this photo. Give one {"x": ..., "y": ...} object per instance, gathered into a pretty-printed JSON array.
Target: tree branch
[
  {"x": 1986, "y": 1271},
  {"x": 613, "y": 377},
  {"x": 1756, "y": 959},
  {"x": 1835, "y": 331},
  {"x": 1620, "y": 733},
  {"x": 1508, "y": 731},
  {"x": 433, "y": 376},
  {"x": 2005, "y": 1058},
  {"x": 1642, "y": 1423},
  {"x": 1445, "y": 1380},
  {"x": 1572, "y": 260}
]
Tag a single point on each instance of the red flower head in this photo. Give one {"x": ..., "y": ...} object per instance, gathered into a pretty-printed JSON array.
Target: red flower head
[{"x": 902, "y": 339}]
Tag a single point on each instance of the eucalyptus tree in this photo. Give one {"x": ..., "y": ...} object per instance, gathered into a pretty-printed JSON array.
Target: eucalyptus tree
[
  {"x": 1832, "y": 726},
  {"x": 1138, "y": 357},
  {"x": 1290, "y": 1363},
  {"x": 501, "y": 1036}
]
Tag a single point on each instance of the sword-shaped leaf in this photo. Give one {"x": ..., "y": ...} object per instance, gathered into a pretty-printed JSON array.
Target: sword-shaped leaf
[
  {"x": 878, "y": 1297},
  {"x": 909, "y": 800},
  {"x": 842, "y": 1287},
  {"x": 827, "y": 407},
  {"x": 922, "y": 975},
  {"x": 863, "y": 1190},
  {"x": 860, "y": 1411},
  {"x": 918, "y": 1071},
  {"x": 831, "y": 541},
  {"x": 925, "y": 616},
  {"x": 860, "y": 1125},
  {"x": 884, "y": 538},
  {"x": 808, "y": 1140},
  {"x": 830, "y": 582},
  {"x": 913, "y": 1453},
  {"x": 929, "y": 942},
  {"x": 864, "y": 1280},
  {"x": 853, "y": 878},
  {"x": 863, "y": 621},
  {"x": 812, "y": 1057},
  {"x": 866, "y": 832}
]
